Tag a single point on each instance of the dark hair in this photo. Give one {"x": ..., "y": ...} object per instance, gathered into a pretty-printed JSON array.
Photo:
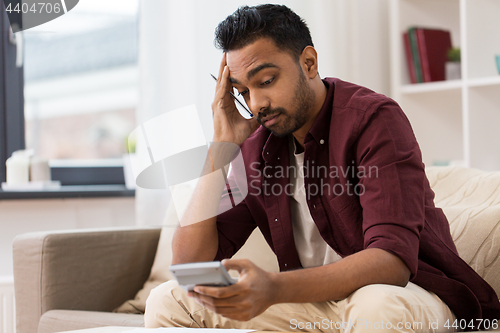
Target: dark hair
[{"x": 288, "y": 31}]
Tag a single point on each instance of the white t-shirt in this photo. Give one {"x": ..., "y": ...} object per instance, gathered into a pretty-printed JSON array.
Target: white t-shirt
[{"x": 312, "y": 249}]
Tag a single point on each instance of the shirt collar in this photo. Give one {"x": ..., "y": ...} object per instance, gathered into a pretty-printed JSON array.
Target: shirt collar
[{"x": 320, "y": 130}]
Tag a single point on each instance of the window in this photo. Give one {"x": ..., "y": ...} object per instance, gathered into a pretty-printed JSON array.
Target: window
[
  {"x": 11, "y": 96},
  {"x": 81, "y": 90}
]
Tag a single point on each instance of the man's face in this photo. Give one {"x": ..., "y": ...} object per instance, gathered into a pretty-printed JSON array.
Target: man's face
[{"x": 273, "y": 85}]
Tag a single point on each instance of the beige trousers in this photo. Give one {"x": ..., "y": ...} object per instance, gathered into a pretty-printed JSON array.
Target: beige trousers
[{"x": 374, "y": 308}]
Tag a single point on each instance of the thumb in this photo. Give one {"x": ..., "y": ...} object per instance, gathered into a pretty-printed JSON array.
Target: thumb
[{"x": 237, "y": 264}]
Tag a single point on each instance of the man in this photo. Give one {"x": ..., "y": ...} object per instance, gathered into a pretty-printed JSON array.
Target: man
[{"x": 360, "y": 245}]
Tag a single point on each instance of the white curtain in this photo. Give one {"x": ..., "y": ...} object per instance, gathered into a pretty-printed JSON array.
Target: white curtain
[{"x": 176, "y": 55}]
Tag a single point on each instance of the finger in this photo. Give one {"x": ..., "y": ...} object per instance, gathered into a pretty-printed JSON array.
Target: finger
[
  {"x": 234, "y": 311},
  {"x": 221, "y": 92},
  {"x": 218, "y": 292},
  {"x": 236, "y": 264},
  {"x": 218, "y": 302},
  {"x": 221, "y": 67},
  {"x": 225, "y": 83}
]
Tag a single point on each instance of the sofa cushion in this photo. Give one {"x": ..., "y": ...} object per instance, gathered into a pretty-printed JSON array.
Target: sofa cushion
[
  {"x": 470, "y": 199},
  {"x": 67, "y": 320},
  {"x": 255, "y": 249}
]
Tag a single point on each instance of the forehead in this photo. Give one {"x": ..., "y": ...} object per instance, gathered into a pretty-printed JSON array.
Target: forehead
[{"x": 254, "y": 55}]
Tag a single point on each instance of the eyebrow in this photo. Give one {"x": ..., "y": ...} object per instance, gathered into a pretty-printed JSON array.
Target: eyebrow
[{"x": 254, "y": 71}]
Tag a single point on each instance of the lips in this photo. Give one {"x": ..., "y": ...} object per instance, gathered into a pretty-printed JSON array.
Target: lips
[{"x": 270, "y": 120}]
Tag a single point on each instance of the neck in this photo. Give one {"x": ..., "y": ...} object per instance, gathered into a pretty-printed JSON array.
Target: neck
[{"x": 320, "y": 91}]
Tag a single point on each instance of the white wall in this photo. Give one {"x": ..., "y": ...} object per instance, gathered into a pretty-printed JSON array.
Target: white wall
[
  {"x": 369, "y": 63},
  {"x": 22, "y": 216},
  {"x": 176, "y": 55},
  {"x": 176, "y": 52}
]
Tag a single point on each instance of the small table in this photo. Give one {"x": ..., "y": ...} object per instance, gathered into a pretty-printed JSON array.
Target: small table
[
  {"x": 121, "y": 329},
  {"x": 105, "y": 329}
]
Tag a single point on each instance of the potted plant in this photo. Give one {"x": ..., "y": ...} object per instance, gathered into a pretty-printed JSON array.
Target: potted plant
[{"x": 453, "y": 67}]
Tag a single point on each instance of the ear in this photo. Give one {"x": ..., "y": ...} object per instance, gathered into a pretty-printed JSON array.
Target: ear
[{"x": 309, "y": 61}]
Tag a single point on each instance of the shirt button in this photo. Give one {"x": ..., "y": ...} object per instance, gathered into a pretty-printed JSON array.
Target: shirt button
[
  {"x": 314, "y": 206},
  {"x": 322, "y": 141},
  {"x": 275, "y": 220},
  {"x": 286, "y": 265},
  {"x": 267, "y": 152},
  {"x": 278, "y": 158}
]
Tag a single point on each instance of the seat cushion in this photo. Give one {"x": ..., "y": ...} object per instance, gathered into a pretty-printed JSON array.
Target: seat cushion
[
  {"x": 67, "y": 320},
  {"x": 470, "y": 199}
]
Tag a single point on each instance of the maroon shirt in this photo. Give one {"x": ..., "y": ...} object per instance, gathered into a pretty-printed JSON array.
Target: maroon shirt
[{"x": 365, "y": 187}]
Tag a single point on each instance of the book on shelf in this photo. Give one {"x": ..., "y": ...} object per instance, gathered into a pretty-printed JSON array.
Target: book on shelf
[
  {"x": 409, "y": 58},
  {"x": 426, "y": 53},
  {"x": 412, "y": 33},
  {"x": 433, "y": 46}
]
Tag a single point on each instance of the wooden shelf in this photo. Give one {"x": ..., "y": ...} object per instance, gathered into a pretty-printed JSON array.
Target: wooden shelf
[
  {"x": 484, "y": 81},
  {"x": 418, "y": 88},
  {"x": 431, "y": 86}
]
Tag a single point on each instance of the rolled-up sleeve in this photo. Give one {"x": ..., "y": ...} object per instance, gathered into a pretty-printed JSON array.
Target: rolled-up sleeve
[
  {"x": 235, "y": 224},
  {"x": 393, "y": 184}
]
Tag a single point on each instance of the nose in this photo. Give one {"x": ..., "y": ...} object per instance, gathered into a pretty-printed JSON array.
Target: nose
[{"x": 258, "y": 102}]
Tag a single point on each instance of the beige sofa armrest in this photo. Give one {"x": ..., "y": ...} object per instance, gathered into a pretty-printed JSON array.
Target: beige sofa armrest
[{"x": 79, "y": 270}]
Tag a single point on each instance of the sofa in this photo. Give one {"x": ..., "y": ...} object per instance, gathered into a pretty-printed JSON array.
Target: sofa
[{"x": 89, "y": 278}]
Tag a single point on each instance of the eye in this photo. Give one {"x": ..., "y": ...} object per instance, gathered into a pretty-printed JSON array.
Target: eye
[
  {"x": 267, "y": 82},
  {"x": 242, "y": 93}
]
